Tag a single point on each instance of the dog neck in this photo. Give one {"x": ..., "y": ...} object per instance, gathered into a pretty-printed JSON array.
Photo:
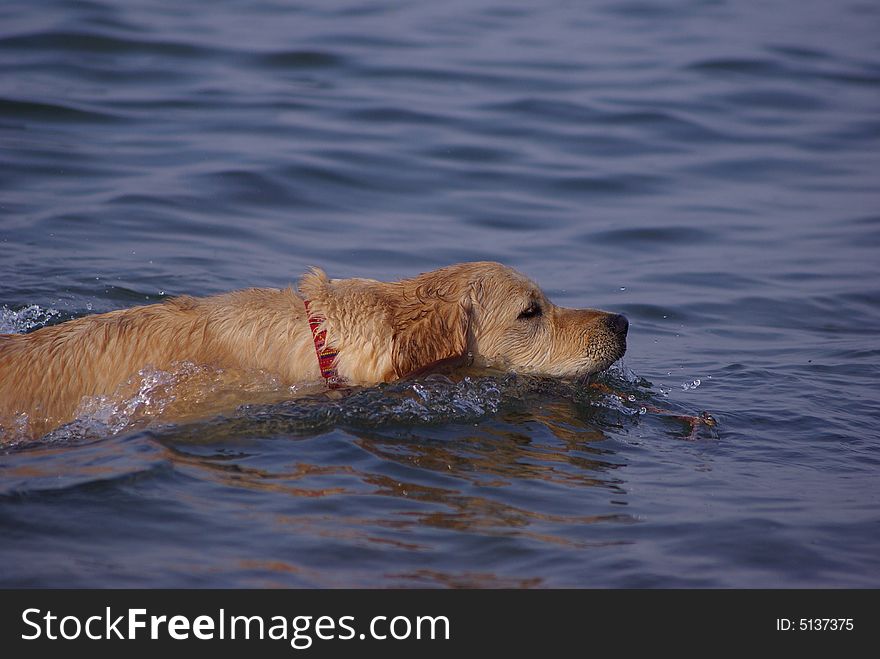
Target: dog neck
[{"x": 326, "y": 353}]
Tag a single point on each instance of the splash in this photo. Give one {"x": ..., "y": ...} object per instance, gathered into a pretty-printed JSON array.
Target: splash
[
  {"x": 18, "y": 321},
  {"x": 206, "y": 403},
  {"x": 114, "y": 413},
  {"x": 107, "y": 415},
  {"x": 184, "y": 392},
  {"x": 431, "y": 400}
]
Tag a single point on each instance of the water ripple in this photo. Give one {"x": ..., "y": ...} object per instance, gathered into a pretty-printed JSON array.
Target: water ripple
[
  {"x": 53, "y": 112},
  {"x": 708, "y": 169}
]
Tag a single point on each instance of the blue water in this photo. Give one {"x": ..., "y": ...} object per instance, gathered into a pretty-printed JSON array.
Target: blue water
[{"x": 710, "y": 169}]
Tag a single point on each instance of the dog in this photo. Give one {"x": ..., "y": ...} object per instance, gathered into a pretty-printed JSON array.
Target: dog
[{"x": 339, "y": 331}]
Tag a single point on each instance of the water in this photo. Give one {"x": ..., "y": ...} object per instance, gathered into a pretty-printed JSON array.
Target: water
[{"x": 707, "y": 168}]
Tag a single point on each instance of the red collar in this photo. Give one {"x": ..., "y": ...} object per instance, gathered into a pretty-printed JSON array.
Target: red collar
[{"x": 326, "y": 354}]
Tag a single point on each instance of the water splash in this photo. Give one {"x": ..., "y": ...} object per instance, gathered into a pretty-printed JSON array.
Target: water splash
[
  {"x": 206, "y": 403},
  {"x": 18, "y": 321},
  {"x": 112, "y": 414},
  {"x": 185, "y": 390},
  {"x": 434, "y": 399}
]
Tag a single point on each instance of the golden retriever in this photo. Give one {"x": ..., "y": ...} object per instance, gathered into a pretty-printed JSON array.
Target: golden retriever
[{"x": 484, "y": 311}]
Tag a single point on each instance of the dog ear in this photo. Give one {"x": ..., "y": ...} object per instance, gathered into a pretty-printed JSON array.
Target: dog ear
[{"x": 428, "y": 332}]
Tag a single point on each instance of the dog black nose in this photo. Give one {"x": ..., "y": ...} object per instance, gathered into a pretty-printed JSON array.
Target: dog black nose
[{"x": 618, "y": 324}]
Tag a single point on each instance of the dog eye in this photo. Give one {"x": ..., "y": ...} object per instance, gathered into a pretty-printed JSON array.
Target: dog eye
[{"x": 532, "y": 311}]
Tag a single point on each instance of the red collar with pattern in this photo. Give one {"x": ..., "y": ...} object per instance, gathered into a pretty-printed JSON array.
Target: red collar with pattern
[{"x": 326, "y": 353}]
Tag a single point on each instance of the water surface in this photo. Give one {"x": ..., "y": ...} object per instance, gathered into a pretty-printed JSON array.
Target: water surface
[{"x": 707, "y": 168}]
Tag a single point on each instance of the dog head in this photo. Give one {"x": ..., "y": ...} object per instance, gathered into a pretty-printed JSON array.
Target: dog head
[{"x": 484, "y": 309}]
